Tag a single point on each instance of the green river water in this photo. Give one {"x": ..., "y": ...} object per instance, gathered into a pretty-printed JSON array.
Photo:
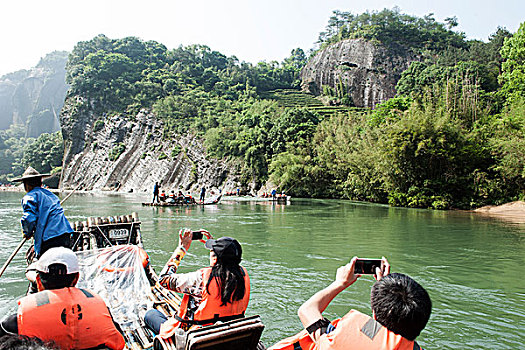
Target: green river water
[{"x": 472, "y": 266}]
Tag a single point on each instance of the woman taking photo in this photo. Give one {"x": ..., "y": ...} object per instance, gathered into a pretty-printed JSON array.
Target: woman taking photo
[{"x": 219, "y": 292}]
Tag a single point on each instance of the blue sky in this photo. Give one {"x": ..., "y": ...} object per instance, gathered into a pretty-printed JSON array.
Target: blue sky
[{"x": 251, "y": 30}]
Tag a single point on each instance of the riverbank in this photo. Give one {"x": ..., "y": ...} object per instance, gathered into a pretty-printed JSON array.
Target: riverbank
[
  {"x": 11, "y": 188},
  {"x": 512, "y": 212}
]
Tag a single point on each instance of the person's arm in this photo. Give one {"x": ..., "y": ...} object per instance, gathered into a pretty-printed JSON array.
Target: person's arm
[
  {"x": 312, "y": 310},
  {"x": 30, "y": 216},
  {"x": 174, "y": 262},
  {"x": 167, "y": 279}
]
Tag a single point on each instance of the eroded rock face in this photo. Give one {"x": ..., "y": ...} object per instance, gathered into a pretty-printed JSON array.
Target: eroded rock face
[
  {"x": 368, "y": 72},
  {"x": 130, "y": 154},
  {"x": 34, "y": 97}
]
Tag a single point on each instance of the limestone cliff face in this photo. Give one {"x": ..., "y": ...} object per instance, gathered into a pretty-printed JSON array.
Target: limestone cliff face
[
  {"x": 129, "y": 154},
  {"x": 368, "y": 72},
  {"x": 34, "y": 97}
]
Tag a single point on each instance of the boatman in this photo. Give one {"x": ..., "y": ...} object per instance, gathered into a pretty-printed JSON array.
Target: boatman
[
  {"x": 72, "y": 318},
  {"x": 203, "y": 194},
  {"x": 401, "y": 309},
  {"x": 43, "y": 216},
  {"x": 155, "y": 193}
]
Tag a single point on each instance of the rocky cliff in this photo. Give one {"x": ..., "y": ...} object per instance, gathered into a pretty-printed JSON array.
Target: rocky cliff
[
  {"x": 129, "y": 154},
  {"x": 34, "y": 97},
  {"x": 367, "y": 72}
]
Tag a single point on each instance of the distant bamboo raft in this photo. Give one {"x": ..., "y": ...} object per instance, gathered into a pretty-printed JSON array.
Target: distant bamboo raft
[{"x": 211, "y": 201}]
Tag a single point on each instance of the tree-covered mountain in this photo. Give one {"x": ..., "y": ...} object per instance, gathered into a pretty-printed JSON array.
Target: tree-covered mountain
[
  {"x": 452, "y": 136},
  {"x": 191, "y": 89},
  {"x": 128, "y": 74},
  {"x": 30, "y": 104},
  {"x": 33, "y": 98}
]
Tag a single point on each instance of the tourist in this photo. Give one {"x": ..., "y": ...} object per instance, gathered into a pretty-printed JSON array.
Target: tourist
[
  {"x": 171, "y": 198},
  {"x": 401, "y": 309},
  {"x": 162, "y": 196},
  {"x": 216, "y": 293},
  {"x": 43, "y": 216},
  {"x": 155, "y": 193},
  {"x": 189, "y": 199},
  {"x": 72, "y": 318}
]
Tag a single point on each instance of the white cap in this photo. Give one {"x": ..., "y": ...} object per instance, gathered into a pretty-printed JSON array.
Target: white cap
[{"x": 58, "y": 255}]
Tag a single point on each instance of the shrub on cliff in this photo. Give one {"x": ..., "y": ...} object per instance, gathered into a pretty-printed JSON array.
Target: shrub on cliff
[{"x": 116, "y": 151}]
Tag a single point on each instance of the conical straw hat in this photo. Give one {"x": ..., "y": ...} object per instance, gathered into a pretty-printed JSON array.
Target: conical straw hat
[{"x": 29, "y": 174}]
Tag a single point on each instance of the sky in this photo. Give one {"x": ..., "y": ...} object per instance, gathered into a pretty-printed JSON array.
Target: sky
[{"x": 253, "y": 31}]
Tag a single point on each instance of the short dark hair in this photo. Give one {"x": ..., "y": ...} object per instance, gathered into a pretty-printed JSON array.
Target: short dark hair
[
  {"x": 34, "y": 181},
  {"x": 401, "y": 304},
  {"x": 22, "y": 342},
  {"x": 57, "y": 277}
]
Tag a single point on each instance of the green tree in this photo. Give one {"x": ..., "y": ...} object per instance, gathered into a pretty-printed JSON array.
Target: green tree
[
  {"x": 390, "y": 110},
  {"x": 45, "y": 153},
  {"x": 513, "y": 66},
  {"x": 508, "y": 148}
]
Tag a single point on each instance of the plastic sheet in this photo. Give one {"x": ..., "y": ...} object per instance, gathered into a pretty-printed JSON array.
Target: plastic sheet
[{"x": 117, "y": 274}]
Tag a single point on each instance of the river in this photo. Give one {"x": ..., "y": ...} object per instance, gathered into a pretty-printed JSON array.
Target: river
[{"x": 470, "y": 265}]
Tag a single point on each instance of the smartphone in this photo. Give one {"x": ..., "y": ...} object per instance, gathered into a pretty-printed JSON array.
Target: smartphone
[
  {"x": 196, "y": 235},
  {"x": 367, "y": 266}
]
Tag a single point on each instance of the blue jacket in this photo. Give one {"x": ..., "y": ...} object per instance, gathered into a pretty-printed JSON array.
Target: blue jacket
[{"x": 43, "y": 216}]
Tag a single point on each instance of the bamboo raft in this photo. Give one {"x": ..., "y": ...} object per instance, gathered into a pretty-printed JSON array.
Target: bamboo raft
[
  {"x": 182, "y": 203},
  {"x": 277, "y": 199},
  {"x": 109, "y": 249}
]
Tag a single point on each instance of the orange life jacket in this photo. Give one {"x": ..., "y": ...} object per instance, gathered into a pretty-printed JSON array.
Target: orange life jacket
[
  {"x": 210, "y": 309},
  {"x": 300, "y": 341},
  {"x": 71, "y": 317},
  {"x": 354, "y": 331}
]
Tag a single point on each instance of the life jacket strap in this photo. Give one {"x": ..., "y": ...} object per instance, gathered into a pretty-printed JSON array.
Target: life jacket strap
[
  {"x": 321, "y": 323},
  {"x": 297, "y": 346},
  {"x": 216, "y": 318}
]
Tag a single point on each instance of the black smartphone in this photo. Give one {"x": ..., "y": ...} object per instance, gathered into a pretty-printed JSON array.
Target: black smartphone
[
  {"x": 367, "y": 266},
  {"x": 196, "y": 235}
]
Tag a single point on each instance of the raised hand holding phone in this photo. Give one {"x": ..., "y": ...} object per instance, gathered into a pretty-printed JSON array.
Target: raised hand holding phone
[
  {"x": 367, "y": 266},
  {"x": 201, "y": 235},
  {"x": 383, "y": 271},
  {"x": 377, "y": 267},
  {"x": 185, "y": 238},
  {"x": 346, "y": 275}
]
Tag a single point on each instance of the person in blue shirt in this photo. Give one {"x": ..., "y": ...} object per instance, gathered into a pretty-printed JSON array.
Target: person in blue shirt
[
  {"x": 203, "y": 194},
  {"x": 43, "y": 216},
  {"x": 155, "y": 193}
]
